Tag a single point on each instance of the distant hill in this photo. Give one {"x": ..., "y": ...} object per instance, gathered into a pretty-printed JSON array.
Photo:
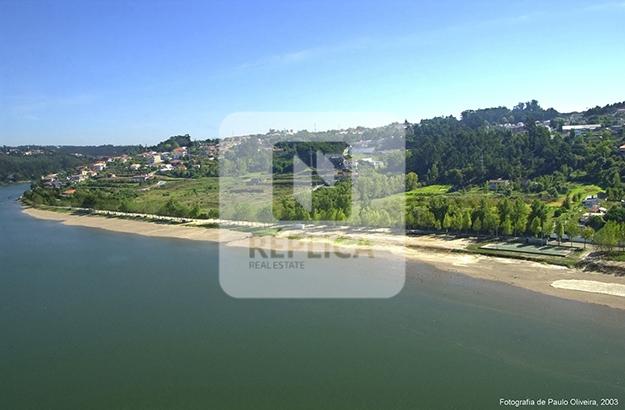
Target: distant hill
[{"x": 521, "y": 144}]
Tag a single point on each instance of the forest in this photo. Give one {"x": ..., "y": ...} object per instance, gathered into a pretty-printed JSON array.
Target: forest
[{"x": 471, "y": 150}]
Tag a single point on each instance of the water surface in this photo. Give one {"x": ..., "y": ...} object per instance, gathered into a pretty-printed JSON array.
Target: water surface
[{"x": 101, "y": 320}]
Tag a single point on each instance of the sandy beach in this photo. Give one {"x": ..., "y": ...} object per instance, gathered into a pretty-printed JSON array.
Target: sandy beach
[{"x": 551, "y": 280}]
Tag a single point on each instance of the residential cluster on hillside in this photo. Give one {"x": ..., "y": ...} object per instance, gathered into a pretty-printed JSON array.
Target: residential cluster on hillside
[
  {"x": 140, "y": 167},
  {"x": 574, "y": 125}
]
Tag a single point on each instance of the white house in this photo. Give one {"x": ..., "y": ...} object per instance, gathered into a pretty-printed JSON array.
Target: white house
[
  {"x": 166, "y": 168},
  {"x": 579, "y": 129},
  {"x": 99, "y": 166},
  {"x": 155, "y": 159}
]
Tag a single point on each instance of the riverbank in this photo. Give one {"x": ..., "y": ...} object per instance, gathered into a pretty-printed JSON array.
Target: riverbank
[{"x": 436, "y": 251}]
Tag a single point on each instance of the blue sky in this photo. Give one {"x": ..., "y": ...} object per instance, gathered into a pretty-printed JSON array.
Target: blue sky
[{"x": 93, "y": 72}]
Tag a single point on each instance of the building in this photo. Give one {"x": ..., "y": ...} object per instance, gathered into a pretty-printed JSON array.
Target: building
[
  {"x": 580, "y": 129},
  {"x": 78, "y": 178},
  {"x": 142, "y": 178},
  {"x": 135, "y": 167},
  {"x": 516, "y": 127},
  {"x": 99, "y": 166},
  {"x": 591, "y": 201},
  {"x": 154, "y": 159},
  {"x": 49, "y": 179},
  {"x": 371, "y": 162},
  {"x": 179, "y": 153},
  {"x": 69, "y": 192},
  {"x": 497, "y": 184}
]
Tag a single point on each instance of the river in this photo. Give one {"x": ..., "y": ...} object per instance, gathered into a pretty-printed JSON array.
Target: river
[{"x": 100, "y": 320}]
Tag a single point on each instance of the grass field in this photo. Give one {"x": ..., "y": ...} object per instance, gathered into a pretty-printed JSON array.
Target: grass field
[
  {"x": 188, "y": 192},
  {"x": 583, "y": 190},
  {"x": 429, "y": 190}
]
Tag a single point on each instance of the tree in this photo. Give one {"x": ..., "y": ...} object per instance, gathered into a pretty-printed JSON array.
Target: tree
[
  {"x": 242, "y": 212},
  {"x": 506, "y": 226},
  {"x": 596, "y": 222},
  {"x": 535, "y": 227},
  {"x": 447, "y": 221},
  {"x": 265, "y": 214},
  {"x": 547, "y": 227},
  {"x": 587, "y": 234},
  {"x": 412, "y": 181},
  {"x": 504, "y": 208},
  {"x": 572, "y": 229},
  {"x": 567, "y": 203},
  {"x": 477, "y": 225},
  {"x": 520, "y": 213},
  {"x": 457, "y": 222},
  {"x": 616, "y": 213},
  {"x": 466, "y": 220},
  {"x": 490, "y": 222},
  {"x": 438, "y": 205},
  {"x": 195, "y": 211},
  {"x": 432, "y": 174},
  {"x": 559, "y": 230},
  {"x": 608, "y": 236}
]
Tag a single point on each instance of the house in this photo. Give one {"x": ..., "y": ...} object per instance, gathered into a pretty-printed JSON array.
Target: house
[
  {"x": 69, "y": 192},
  {"x": 155, "y": 159},
  {"x": 122, "y": 158},
  {"x": 165, "y": 156},
  {"x": 371, "y": 162},
  {"x": 179, "y": 153},
  {"x": 621, "y": 149},
  {"x": 496, "y": 184},
  {"x": 142, "y": 178},
  {"x": 98, "y": 166},
  {"x": 166, "y": 168},
  {"x": 56, "y": 184},
  {"x": 50, "y": 177},
  {"x": 516, "y": 127},
  {"x": 78, "y": 178},
  {"x": 51, "y": 181},
  {"x": 135, "y": 167},
  {"x": 590, "y": 201},
  {"x": 580, "y": 129}
]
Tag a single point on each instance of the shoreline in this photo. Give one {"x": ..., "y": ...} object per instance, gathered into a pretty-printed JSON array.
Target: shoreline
[{"x": 428, "y": 249}]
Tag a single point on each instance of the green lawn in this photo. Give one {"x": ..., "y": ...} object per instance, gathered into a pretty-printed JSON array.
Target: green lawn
[
  {"x": 583, "y": 190},
  {"x": 429, "y": 190}
]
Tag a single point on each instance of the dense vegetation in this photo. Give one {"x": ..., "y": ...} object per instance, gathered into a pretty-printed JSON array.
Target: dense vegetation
[
  {"x": 470, "y": 151},
  {"x": 15, "y": 168},
  {"x": 449, "y": 161}
]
